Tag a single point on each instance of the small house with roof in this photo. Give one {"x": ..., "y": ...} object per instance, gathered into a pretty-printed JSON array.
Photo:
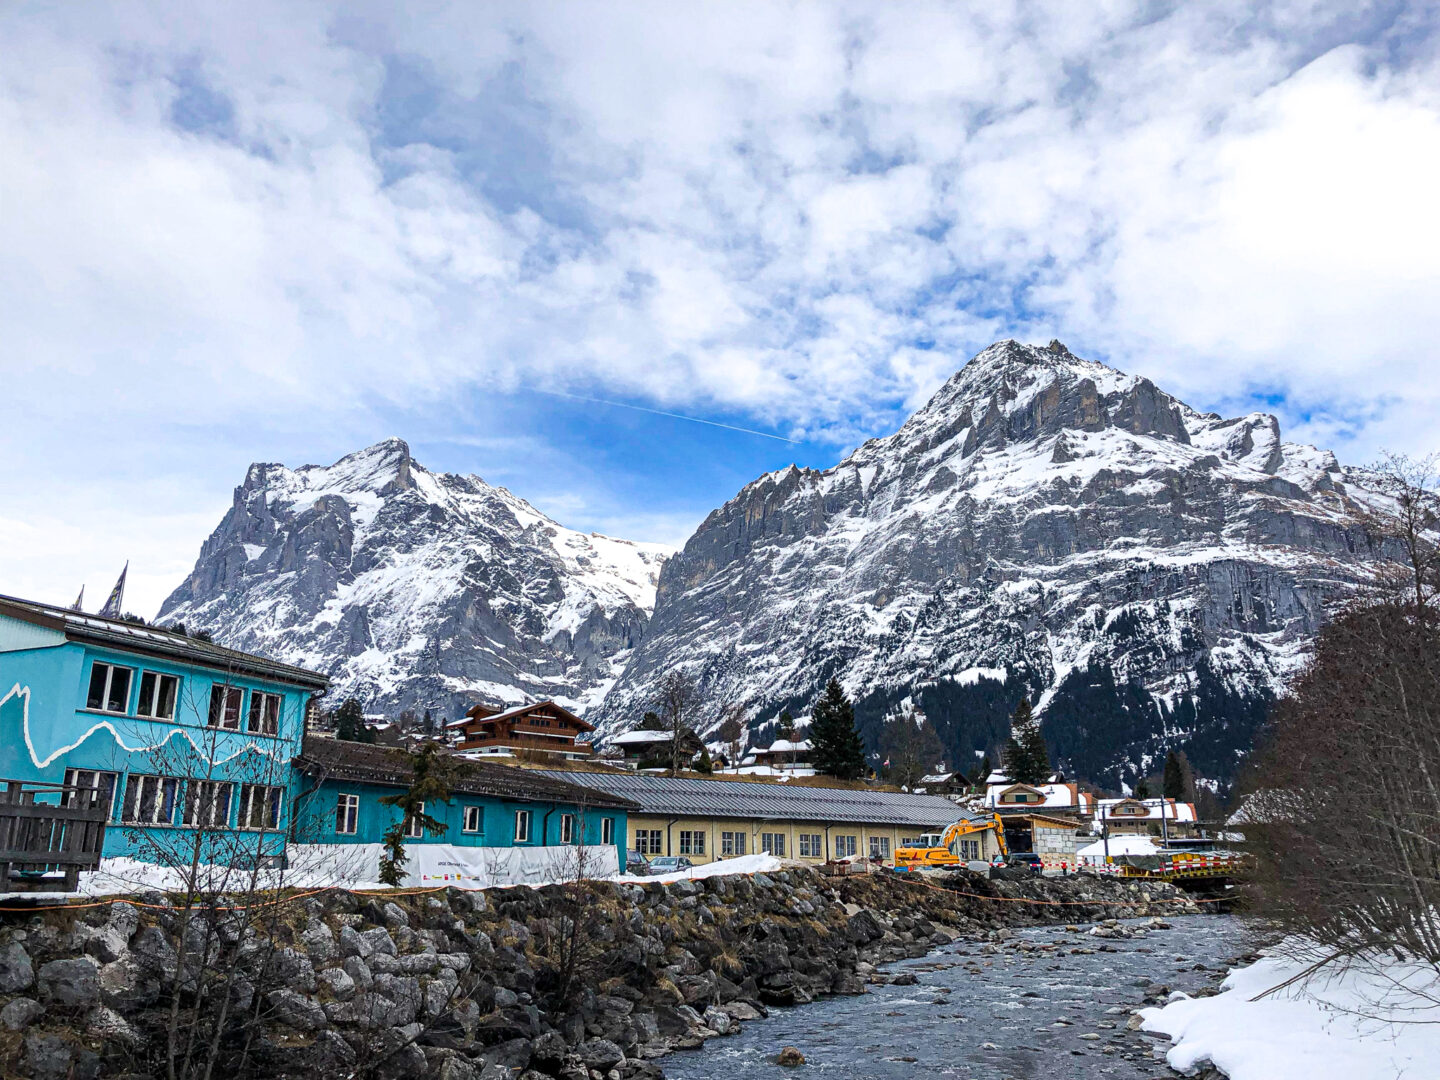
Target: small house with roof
[
  {"x": 540, "y": 728},
  {"x": 642, "y": 748},
  {"x": 174, "y": 735},
  {"x": 1130, "y": 815},
  {"x": 782, "y": 755}
]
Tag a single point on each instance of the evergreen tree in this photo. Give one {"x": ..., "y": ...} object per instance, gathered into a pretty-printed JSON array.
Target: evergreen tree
[
  {"x": 1027, "y": 759},
  {"x": 835, "y": 748},
  {"x": 1142, "y": 789},
  {"x": 909, "y": 745},
  {"x": 350, "y": 723},
  {"x": 1173, "y": 785},
  {"x": 431, "y": 773},
  {"x": 785, "y": 726},
  {"x": 703, "y": 764}
]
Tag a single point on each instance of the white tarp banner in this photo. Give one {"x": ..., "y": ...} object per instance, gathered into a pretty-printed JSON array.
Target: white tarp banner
[{"x": 356, "y": 865}]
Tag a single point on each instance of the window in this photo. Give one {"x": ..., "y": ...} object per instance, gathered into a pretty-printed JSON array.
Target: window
[
  {"x": 207, "y": 803},
  {"x": 414, "y": 828},
  {"x": 812, "y": 846},
  {"x": 149, "y": 800},
  {"x": 969, "y": 849},
  {"x": 732, "y": 843},
  {"x": 567, "y": 828},
  {"x": 879, "y": 847},
  {"x": 692, "y": 842},
  {"x": 96, "y": 788},
  {"x": 157, "y": 695},
  {"x": 774, "y": 843},
  {"x": 109, "y": 688},
  {"x": 260, "y": 806},
  {"x": 648, "y": 842},
  {"x": 225, "y": 707},
  {"x": 607, "y": 830},
  {"x": 844, "y": 847},
  {"x": 264, "y": 713},
  {"x": 474, "y": 816},
  {"x": 347, "y": 814},
  {"x": 522, "y": 826}
]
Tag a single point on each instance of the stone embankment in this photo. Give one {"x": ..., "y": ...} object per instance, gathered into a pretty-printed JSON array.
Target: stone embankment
[{"x": 481, "y": 986}]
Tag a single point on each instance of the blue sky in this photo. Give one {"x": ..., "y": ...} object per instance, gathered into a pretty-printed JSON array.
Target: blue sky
[{"x": 282, "y": 231}]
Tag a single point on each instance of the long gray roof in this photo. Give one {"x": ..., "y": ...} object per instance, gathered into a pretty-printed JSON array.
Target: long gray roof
[{"x": 688, "y": 797}]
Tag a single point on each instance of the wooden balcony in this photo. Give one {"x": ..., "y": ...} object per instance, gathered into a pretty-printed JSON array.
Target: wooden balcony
[
  {"x": 49, "y": 833},
  {"x": 553, "y": 744}
]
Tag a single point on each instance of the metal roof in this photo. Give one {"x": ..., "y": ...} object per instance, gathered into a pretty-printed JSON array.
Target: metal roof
[
  {"x": 336, "y": 759},
  {"x": 119, "y": 634},
  {"x": 689, "y": 797}
]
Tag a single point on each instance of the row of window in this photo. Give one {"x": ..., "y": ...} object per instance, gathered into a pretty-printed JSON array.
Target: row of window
[
  {"x": 347, "y": 822},
  {"x": 160, "y": 693},
  {"x": 155, "y": 800},
  {"x": 812, "y": 845}
]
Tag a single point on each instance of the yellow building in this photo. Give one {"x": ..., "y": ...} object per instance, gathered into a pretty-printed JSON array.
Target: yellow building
[{"x": 705, "y": 819}]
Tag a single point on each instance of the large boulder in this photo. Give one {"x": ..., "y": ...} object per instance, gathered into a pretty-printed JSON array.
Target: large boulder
[
  {"x": 16, "y": 971},
  {"x": 600, "y": 1054},
  {"x": 297, "y": 1011},
  {"x": 20, "y": 1014},
  {"x": 74, "y": 982}
]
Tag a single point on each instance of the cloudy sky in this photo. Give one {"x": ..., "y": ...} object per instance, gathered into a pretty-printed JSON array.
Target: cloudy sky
[{"x": 279, "y": 232}]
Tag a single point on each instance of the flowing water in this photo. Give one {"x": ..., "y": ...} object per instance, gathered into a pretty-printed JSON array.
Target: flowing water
[{"x": 1024, "y": 1013}]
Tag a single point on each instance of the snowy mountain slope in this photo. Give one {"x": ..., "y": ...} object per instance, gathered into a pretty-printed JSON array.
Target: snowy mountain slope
[
  {"x": 1045, "y": 525},
  {"x": 417, "y": 589}
]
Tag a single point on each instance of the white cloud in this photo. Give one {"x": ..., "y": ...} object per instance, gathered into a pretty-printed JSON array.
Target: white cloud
[{"x": 244, "y": 224}]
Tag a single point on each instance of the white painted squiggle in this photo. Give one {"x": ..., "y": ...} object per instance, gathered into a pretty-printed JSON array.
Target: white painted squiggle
[{"x": 23, "y": 692}]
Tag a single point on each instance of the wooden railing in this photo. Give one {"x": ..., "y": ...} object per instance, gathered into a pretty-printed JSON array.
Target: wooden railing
[
  {"x": 49, "y": 833},
  {"x": 553, "y": 744}
]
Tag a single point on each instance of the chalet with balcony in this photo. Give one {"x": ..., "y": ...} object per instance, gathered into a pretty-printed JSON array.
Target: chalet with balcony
[{"x": 540, "y": 729}]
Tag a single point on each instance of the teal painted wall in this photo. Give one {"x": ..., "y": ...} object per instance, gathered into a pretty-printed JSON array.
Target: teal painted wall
[
  {"x": 46, "y": 728},
  {"x": 315, "y": 821}
]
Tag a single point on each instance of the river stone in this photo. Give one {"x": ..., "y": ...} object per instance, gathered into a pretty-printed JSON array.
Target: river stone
[
  {"x": 70, "y": 982},
  {"x": 47, "y": 1057},
  {"x": 319, "y": 942},
  {"x": 16, "y": 971},
  {"x": 790, "y": 1056},
  {"x": 106, "y": 1023},
  {"x": 718, "y": 1020},
  {"x": 339, "y": 982},
  {"x": 20, "y": 1014},
  {"x": 297, "y": 1010},
  {"x": 600, "y": 1054},
  {"x": 548, "y": 1053},
  {"x": 395, "y": 915}
]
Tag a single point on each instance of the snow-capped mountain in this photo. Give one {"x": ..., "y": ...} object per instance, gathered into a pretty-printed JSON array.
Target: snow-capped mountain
[
  {"x": 1149, "y": 575},
  {"x": 417, "y": 589}
]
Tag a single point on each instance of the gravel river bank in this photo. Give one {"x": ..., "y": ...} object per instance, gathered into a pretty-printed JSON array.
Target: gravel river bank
[{"x": 1047, "y": 1003}]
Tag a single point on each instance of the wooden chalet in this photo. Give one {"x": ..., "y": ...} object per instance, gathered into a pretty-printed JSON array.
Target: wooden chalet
[{"x": 540, "y": 728}]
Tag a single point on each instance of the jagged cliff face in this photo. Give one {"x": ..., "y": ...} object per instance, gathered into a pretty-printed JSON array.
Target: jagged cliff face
[
  {"x": 417, "y": 589},
  {"x": 1046, "y": 526}
]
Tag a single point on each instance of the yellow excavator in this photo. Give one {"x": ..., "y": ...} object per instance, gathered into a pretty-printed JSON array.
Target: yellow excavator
[{"x": 943, "y": 849}]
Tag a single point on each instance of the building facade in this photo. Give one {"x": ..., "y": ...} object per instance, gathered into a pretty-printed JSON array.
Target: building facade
[
  {"x": 705, "y": 819},
  {"x": 542, "y": 728},
  {"x": 186, "y": 742},
  {"x": 340, "y": 785}
]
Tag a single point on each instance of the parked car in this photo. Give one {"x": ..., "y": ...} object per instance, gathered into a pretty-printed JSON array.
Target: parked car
[
  {"x": 670, "y": 864},
  {"x": 635, "y": 863}
]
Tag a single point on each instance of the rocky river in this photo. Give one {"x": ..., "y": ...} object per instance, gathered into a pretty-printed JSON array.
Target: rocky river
[{"x": 1047, "y": 1002}]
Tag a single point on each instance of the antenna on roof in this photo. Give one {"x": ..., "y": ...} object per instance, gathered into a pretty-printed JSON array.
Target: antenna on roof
[
  {"x": 111, "y": 610},
  {"x": 79, "y": 604}
]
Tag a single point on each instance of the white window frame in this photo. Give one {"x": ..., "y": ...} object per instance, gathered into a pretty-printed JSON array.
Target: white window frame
[
  {"x": 567, "y": 829},
  {"x": 266, "y": 726},
  {"x": 347, "y": 814},
  {"x": 104, "y": 705},
  {"x": 686, "y": 839},
  {"x": 91, "y": 779},
  {"x": 522, "y": 826},
  {"x": 607, "y": 830},
  {"x": 150, "y": 709},
  {"x": 217, "y": 718},
  {"x": 649, "y": 841},
  {"x": 879, "y": 847},
  {"x": 206, "y": 796},
  {"x": 773, "y": 844},
  {"x": 268, "y": 800},
  {"x": 473, "y": 819},
  {"x": 162, "y": 789},
  {"x": 812, "y": 846},
  {"x": 414, "y": 830},
  {"x": 727, "y": 844},
  {"x": 845, "y": 846}
]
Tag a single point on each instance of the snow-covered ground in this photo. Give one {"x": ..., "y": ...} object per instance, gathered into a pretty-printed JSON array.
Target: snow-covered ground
[
  {"x": 758, "y": 863},
  {"x": 1374, "y": 1020}
]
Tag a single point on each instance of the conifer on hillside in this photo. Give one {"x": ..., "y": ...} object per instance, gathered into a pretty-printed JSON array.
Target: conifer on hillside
[
  {"x": 1027, "y": 758},
  {"x": 835, "y": 748}
]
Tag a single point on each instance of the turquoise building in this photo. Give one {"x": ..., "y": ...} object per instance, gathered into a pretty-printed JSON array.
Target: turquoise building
[
  {"x": 199, "y": 749},
  {"x": 179, "y": 736},
  {"x": 491, "y": 806}
]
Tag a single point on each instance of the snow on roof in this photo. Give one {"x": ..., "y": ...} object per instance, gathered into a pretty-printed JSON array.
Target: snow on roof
[
  {"x": 787, "y": 746},
  {"x": 1120, "y": 845},
  {"x": 1057, "y": 796},
  {"x": 1173, "y": 811},
  {"x": 937, "y": 778},
  {"x": 641, "y": 738}
]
